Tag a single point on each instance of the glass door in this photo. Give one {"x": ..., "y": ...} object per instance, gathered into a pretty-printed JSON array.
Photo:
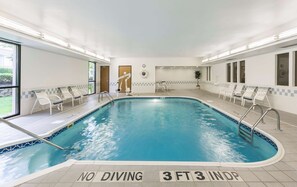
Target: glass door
[{"x": 92, "y": 78}]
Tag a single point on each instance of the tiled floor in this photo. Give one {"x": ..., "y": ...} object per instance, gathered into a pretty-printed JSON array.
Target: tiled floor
[{"x": 282, "y": 173}]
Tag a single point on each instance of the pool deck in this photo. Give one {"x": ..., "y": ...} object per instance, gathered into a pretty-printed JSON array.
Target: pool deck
[{"x": 282, "y": 173}]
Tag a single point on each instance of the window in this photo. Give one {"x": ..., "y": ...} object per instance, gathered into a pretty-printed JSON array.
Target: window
[
  {"x": 9, "y": 79},
  {"x": 92, "y": 78},
  {"x": 234, "y": 64},
  {"x": 208, "y": 73},
  {"x": 283, "y": 69},
  {"x": 295, "y": 60},
  {"x": 229, "y": 72},
  {"x": 242, "y": 71}
]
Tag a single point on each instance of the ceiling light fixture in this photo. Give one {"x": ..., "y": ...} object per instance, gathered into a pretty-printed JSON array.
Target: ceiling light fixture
[
  {"x": 18, "y": 27},
  {"x": 205, "y": 60},
  {"x": 213, "y": 58},
  {"x": 91, "y": 53},
  {"x": 107, "y": 59},
  {"x": 76, "y": 48},
  {"x": 55, "y": 40},
  {"x": 288, "y": 33},
  {"x": 100, "y": 57},
  {"x": 238, "y": 49},
  {"x": 224, "y": 54},
  {"x": 262, "y": 42}
]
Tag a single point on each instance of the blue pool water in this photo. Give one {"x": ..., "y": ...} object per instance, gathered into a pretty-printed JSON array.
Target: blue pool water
[{"x": 144, "y": 129}]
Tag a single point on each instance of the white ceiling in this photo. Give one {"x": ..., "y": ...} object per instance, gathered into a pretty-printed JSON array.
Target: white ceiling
[{"x": 156, "y": 28}]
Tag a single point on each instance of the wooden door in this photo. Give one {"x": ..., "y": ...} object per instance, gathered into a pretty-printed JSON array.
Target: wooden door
[
  {"x": 122, "y": 71},
  {"x": 104, "y": 78}
]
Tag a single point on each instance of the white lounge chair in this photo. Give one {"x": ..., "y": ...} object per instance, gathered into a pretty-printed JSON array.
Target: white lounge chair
[
  {"x": 238, "y": 92},
  {"x": 44, "y": 99},
  {"x": 78, "y": 92},
  {"x": 261, "y": 95},
  {"x": 229, "y": 91},
  {"x": 161, "y": 85},
  {"x": 65, "y": 94},
  {"x": 248, "y": 95},
  {"x": 222, "y": 89}
]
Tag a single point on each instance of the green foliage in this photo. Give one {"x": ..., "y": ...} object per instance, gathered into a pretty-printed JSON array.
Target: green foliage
[
  {"x": 197, "y": 74},
  {"x": 5, "y": 78},
  {"x": 5, "y": 70},
  {"x": 5, "y": 105}
]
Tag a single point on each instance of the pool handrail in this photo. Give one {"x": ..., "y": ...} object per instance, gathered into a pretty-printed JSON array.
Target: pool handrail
[
  {"x": 265, "y": 113},
  {"x": 30, "y": 134},
  {"x": 250, "y": 134},
  {"x": 107, "y": 94}
]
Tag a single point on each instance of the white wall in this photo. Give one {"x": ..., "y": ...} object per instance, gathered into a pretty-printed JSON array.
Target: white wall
[
  {"x": 45, "y": 70},
  {"x": 145, "y": 85},
  {"x": 178, "y": 77},
  {"x": 261, "y": 71}
]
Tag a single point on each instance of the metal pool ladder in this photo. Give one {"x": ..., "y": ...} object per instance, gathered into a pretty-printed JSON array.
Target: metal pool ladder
[
  {"x": 32, "y": 134},
  {"x": 248, "y": 133},
  {"x": 107, "y": 94}
]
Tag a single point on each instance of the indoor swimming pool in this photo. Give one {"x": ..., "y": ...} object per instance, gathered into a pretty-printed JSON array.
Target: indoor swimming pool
[{"x": 168, "y": 129}]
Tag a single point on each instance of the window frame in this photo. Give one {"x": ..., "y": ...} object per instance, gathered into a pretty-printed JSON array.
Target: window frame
[
  {"x": 294, "y": 68},
  {"x": 241, "y": 72},
  {"x": 93, "y": 81},
  {"x": 208, "y": 73},
  {"x": 276, "y": 68},
  {"x": 17, "y": 86},
  {"x": 234, "y": 72},
  {"x": 229, "y": 72}
]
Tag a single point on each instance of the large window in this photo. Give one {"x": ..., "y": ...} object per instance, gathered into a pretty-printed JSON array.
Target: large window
[
  {"x": 242, "y": 71},
  {"x": 208, "y": 73},
  {"x": 229, "y": 72},
  {"x": 92, "y": 78},
  {"x": 295, "y": 64},
  {"x": 234, "y": 64},
  {"x": 9, "y": 80},
  {"x": 283, "y": 69}
]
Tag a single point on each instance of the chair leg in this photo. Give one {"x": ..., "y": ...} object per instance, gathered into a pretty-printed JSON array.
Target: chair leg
[
  {"x": 51, "y": 110},
  {"x": 34, "y": 106}
]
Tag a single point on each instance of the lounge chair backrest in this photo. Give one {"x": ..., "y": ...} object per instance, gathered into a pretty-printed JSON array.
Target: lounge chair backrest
[
  {"x": 75, "y": 91},
  {"x": 238, "y": 89},
  {"x": 249, "y": 92},
  {"x": 42, "y": 97},
  {"x": 65, "y": 93},
  {"x": 231, "y": 87},
  {"x": 261, "y": 93}
]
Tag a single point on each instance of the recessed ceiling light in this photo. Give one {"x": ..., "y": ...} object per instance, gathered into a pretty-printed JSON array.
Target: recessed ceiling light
[
  {"x": 91, "y": 53},
  {"x": 213, "y": 58},
  {"x": 18, "y": 27},
  {"x": 288, "y": 33},
  {"x": 54, "y": 39},
  {"x": 224, "y": 54},
  {"x": 238, "y": 49},
  {"x": 205, "y": 60},
  {"x": 262, "y": 42},
  {"x": 76, "y": 48}
]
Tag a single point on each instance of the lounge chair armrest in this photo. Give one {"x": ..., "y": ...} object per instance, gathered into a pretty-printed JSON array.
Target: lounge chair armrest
[{"x": 55, "y": 96}]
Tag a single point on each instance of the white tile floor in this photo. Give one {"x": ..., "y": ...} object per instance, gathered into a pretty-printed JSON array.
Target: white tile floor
[{"x": 282, "y": 173}]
